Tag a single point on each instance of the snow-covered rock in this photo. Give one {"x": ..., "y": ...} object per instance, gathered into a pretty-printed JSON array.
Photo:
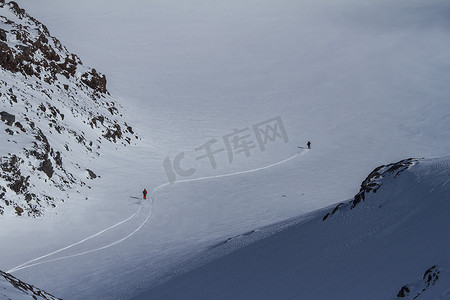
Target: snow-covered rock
[
  {"x": 15, "y": 289},
  {"x": 374, "y": 181},
  {"x": 56, "y": 115}
]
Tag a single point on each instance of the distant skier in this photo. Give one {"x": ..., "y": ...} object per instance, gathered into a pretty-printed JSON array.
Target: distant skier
[
  {"x": 308, "y": 144},
  {"x": 145, "y": 193}
]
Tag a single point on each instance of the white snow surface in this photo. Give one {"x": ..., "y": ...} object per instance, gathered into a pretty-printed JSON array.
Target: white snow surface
[{"x": 366, "y": 82}]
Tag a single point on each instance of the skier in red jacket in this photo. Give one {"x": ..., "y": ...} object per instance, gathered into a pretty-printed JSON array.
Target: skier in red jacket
[{"x": 145, "y": 193}]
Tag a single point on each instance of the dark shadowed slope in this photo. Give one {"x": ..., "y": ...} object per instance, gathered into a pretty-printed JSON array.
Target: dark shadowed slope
[{"x": 393, "y": 243}]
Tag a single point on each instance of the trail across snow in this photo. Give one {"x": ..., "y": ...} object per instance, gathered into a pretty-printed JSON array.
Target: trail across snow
[
  {"x": 36, "y": 261},
  {"x": 28, "y": 263}
]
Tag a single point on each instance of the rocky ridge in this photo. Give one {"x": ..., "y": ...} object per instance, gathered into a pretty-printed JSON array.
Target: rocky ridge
[
  {"x": 13, "y": 288},
  {"x": 373, "y": 182},
  {"x": 56, "y": 114}
]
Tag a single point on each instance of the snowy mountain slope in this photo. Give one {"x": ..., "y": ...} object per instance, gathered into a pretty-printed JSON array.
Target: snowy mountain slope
[
  {"x": 15, "y": 289},
  {"x": 55, "y": 113},
  {"x": 363, "y": 81},
  {"x": 366, "y": 82},
  {"x": 392, "y": 245}
]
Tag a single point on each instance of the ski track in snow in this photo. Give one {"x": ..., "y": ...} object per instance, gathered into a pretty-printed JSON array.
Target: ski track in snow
[{"x": 34, "y": 262}]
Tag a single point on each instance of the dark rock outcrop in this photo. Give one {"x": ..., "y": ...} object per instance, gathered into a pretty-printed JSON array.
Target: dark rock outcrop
[
  {"x": 95, "y": 81},
  {"x": 25, "y": 288},
  {"x": 92, "y": 175},
  {"x": 47, "y": 168},
  {"x": 19, "y": 210},
  {"x": 333, "y": 211},
  {"x": 404, "y": 291},
  {"x": 414, "y": 290},
  {"x": 373, "y": 183},
  {"x": 9, "y": 119}
]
